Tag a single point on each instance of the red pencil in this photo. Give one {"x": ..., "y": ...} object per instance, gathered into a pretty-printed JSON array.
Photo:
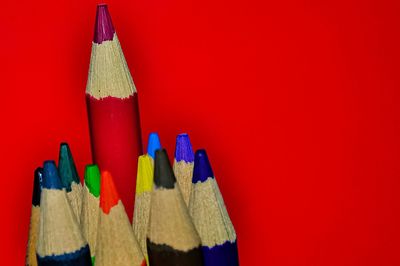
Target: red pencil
[{"x": 113, "y": 109}]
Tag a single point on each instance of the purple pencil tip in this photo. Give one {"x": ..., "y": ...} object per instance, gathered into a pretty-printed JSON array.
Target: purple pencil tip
[
  {"x": 104, "y": 29},
  {"x": 183, "y": 148}
]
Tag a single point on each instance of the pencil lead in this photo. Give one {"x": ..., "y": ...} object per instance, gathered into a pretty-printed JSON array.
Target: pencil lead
[
  {"x": 183, "y": 150},
  {"x": 51, "y": 179},
  {"x": 92, "y": 179},
  {"x": 144, "y": 180},
  {"x": 67, "y": 168},
  {"x": 37, "y": 186},
  {"x": 104, "y": 29},
  {"x": 109, "y": 195},
  {"x": 163, "y": 174},
  {"x": 202, "y": 167},
  {"x": 153, "y": 145}
]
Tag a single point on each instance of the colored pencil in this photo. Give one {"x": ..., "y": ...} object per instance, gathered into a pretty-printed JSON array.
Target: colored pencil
[
  {"x": 153, "y": 145},
  {"x": 116, "y": 244},
  {"x": 70, "y": 179},
  {"x": 113, "y": 110},
  {"x": 183, "y": 165},
  {"x": 60, "y": 239},
  {"x": 144, "y": 185},
  {"x": 210, "y": 216},
  {"x": 171, "y": 238},
  {"x": 31, "y": 259},
  {"x": 91, "y": 206}
]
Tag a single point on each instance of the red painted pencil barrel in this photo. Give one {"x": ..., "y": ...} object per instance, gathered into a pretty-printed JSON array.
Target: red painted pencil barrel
[{"x": 116, "y": 141}]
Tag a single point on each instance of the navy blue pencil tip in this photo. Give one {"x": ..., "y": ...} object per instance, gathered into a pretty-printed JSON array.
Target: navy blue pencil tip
[
  {"x": 153, "y": 144},
  {"x": 51, "y": 179},
  {"x": 202, "y": 167},
  {"x": 183, "y": 149}
]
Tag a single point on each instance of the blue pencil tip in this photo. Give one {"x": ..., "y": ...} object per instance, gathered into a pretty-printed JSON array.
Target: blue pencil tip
[
  {"x": 51, "y": 179},
  {"x": 183, "y": 148},
  {"x": 153, "y": 144},
  {"x": 202, "y": 167}
]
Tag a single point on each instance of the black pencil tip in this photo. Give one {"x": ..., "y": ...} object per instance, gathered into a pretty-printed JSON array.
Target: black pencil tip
[
  {"x": 37, "y": 186},
  {"x": 163, "y": 174}
]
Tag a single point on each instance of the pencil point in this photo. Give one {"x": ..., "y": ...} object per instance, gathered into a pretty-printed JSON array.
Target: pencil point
[
  {"x": 153, "y": 145},
  {"x": 202, "y": 167},
  {"x": 66, "y": 167},
  {"x": 183, "y": 149},
  {"x": 92, "y": 179},
  {"x": 145, "y": 174},
  {"x": 163, "y": 174},
  {"x": 37, "y": 186},
  {"x": 108, "y": 193},
  {"x": 104, "y": 29},
  {"x": 51, "y": 180}
]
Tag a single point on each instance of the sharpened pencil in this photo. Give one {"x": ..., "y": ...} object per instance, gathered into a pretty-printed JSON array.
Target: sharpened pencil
[
  {"x": 183, "y": 165},
  {"x": 60, "y": 241},
  {"x": 91, "y": 207},
  {"x": 113, "y": 110},
  {"x": 116, "y": 243},
  {"x": 70, "y": 179},
  {"x": 172, "y": 238},
  {"x": 144, "y": 185},
  {"x": 31, "y": 259},
  {"x": 210, "y": 216}
]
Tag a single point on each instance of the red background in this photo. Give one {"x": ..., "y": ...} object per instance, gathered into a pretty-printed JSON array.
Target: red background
[{"x": 297, "y": 103}]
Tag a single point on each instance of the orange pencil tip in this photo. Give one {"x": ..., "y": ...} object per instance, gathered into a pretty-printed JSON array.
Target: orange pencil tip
[{"x": 108, "y": 193}]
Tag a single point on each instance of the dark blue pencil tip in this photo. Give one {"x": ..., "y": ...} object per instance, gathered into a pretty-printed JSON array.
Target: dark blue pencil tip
[
  {"x": 202, "y": 167},
  {"x": 51, "y": 180},
  {"x": 153, "y": 144},
  {"x": 37, "y": 186},
  {"x": 183, "y": 149}
]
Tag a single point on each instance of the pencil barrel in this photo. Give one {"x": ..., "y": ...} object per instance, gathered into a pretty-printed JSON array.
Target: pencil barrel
[{"x": 116, "y": 141}]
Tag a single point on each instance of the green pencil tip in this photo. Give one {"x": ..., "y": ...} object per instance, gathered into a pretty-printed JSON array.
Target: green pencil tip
[
  {"x": 66, "y": 167},
  {"x": 93, "y": 259},
  {"x": 92, "y": 179}
]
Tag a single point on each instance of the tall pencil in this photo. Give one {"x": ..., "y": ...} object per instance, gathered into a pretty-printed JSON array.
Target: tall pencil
[
  {"x": 144, "y": 185},
  {"x": 60, "y": 240},
  {"x": 91, "y": 207},
  {"x": 70, "y": 179},
  {"x": 183, "y": 165},
  {"x": 31, "y": 259},
  {"x": 153, "y": 145},
  {"x": 210, "y": 217},
  {"x": 116, "y": 243},
  {"x": 171, "y": 238},
  {"x": 113, "y": 110}
]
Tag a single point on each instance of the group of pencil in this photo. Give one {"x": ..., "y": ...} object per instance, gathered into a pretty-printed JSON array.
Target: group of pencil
[
  {"x": 178, "y": 213},
  {"x": 179, "y": 217}
]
